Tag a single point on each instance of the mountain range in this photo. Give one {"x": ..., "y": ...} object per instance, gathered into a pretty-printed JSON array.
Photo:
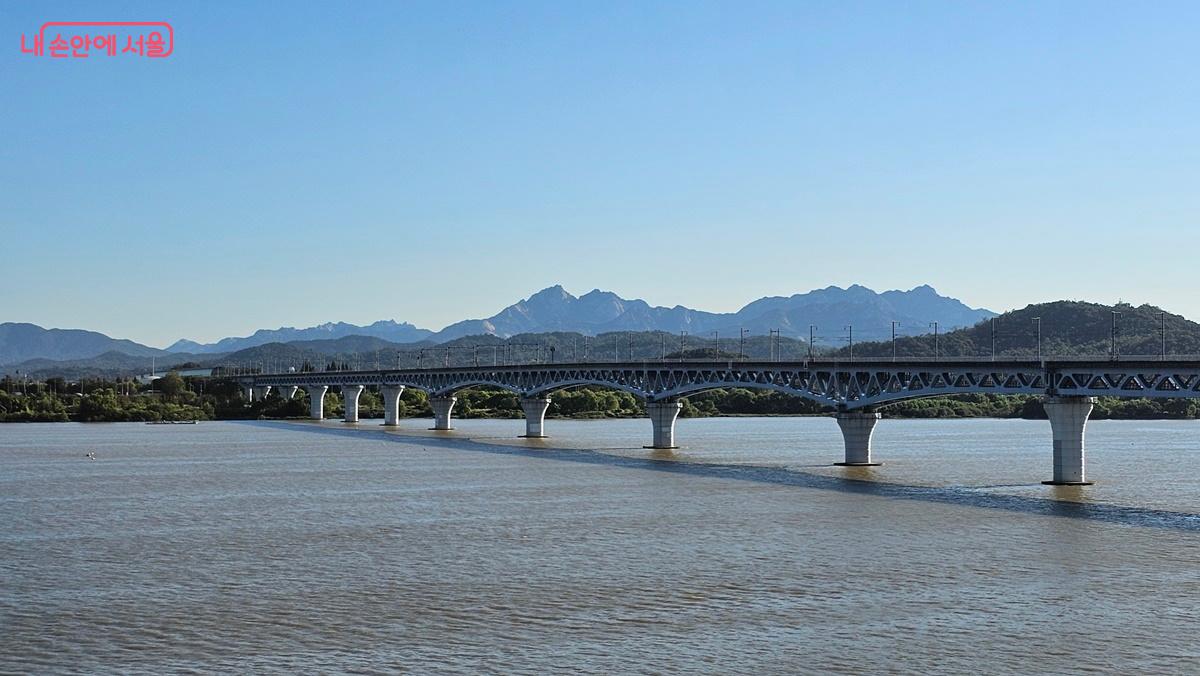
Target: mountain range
[
  {"x": 596, "y": 312},
  {"x": 22, "y": 342},
  {"x": 555, "y": 309},
  {"x": 387, "y": 330}
]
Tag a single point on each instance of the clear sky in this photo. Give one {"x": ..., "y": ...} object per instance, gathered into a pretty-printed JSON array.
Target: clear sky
[{"x": 295, "y": 163}]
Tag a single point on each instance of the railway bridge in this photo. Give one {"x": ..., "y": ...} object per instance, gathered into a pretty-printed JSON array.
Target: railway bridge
[{"x": 852, "y": 390}]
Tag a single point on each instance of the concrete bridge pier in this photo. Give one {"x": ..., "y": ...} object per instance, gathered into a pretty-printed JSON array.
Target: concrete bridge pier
[
  {"x": 662, "y": 416},
  {"x": 391, "y": 404},
  {"x": 286, "y": 392},
  {"x": 261, "y": 392},
  {"x": 316, "y": 400},
  {"x": 857, "y": 428},
  {"x": 1068, "y": 418},
  {"x": 441, "y": 412},
  {"x": 535, "y": 416},
  {"x": 248, "y": 392},
  {"x": 350, "y": 394}
]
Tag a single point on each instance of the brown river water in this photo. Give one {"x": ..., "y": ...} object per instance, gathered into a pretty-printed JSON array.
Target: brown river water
[{"x": 269, "y": 547}]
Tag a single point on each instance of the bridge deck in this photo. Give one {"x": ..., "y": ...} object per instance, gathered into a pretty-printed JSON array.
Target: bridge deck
[{"x": 838, "y": 383}]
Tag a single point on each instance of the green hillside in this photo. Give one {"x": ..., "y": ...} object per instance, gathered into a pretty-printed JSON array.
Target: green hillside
[{"x": 1068, "y": 328}]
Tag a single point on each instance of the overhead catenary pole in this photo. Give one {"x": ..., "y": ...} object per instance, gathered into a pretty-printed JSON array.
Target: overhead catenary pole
[
  {"x": 1113, "y": 349},
  {"x": 1162, "y": 332},
  {"x": 993, "y": 339},
  {"x": 934, "y": 324},
  {"x": 1038, "y": 322}
]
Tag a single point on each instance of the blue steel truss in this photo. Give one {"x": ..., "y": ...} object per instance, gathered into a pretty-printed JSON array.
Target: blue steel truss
[{"x": 840, "y": 385}]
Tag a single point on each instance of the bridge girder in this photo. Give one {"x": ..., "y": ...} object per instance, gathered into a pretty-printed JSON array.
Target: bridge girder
[{"x": 844, "y": 386}]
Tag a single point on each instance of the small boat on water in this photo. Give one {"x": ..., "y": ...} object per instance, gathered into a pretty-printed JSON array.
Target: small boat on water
[{"x": 171, "y": 422}]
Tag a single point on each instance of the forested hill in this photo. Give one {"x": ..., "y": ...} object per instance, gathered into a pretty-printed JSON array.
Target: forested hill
[{"x": 1068, "y": 328}]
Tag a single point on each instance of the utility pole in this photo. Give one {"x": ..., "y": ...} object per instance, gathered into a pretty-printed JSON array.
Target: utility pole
[
  {"x": 811, "y": 328},
  {"x": 894, "y": 323},
  {"x": 716, "y": 346},
  {"x": 742, "y": 343},
  {"x": 682, "y": 344},
  {"x": 663, "y": 348},
  {"x": 850, "y": 328},
  {"x": 935, "y": 339}
]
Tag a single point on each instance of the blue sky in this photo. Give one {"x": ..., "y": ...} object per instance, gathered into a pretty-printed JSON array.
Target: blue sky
[{"x": 295, "y": 163}]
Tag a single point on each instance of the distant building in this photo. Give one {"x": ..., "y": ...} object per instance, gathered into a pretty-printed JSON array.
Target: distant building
[{"x": 147, "y": 378}]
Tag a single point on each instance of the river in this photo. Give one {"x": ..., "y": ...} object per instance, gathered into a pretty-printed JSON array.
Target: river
[{"x": 260, "y": 546}]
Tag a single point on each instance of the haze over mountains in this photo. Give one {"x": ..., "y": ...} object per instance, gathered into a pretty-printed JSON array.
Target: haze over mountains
[{"x": 554, "y": 309}]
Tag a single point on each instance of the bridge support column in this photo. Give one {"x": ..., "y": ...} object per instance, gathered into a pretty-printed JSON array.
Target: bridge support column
[
  {"x": 248, "y": 392},
  {"x": 350, "y": 394},
  {"x": 857, "y": 428},
  {"x": 441, "y": 412},
  {"x": 1068, "y": 417},
  {"x": 391, "y": 404},
  {"x": 261, "y": 392},
  {"x": 535, "y": 415},
  {"x": 316, "y": 400},
  {"x": 286, "y": 392},
  {"x": 662, "y": 417}
]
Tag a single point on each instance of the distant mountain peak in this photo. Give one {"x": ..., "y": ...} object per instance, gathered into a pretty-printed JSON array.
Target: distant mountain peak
[{"x": 551, "y": 294}]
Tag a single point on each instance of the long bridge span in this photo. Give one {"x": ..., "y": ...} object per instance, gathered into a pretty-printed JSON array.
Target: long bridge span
[{"x": 854, "y": 390}]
